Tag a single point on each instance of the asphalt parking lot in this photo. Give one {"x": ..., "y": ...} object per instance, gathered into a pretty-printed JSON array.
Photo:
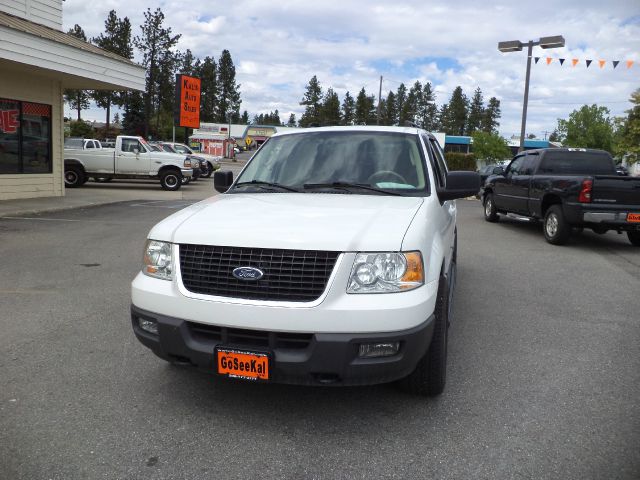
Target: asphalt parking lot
[{"x": 543, "y": 373}]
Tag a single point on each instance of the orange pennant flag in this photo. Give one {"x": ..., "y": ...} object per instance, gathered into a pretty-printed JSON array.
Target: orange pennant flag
[
  {"x": 601, "y": 63},
  {"x": 574, "y": 61},
  {"x": 629, "y": 63},
  {"x": 549, "y": 60}
]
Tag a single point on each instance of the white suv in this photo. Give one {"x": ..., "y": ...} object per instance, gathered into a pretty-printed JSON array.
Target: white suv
[{"x": 330, "y": 260}]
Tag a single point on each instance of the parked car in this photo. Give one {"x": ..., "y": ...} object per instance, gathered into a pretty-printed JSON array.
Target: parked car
[
  {"x": 567, "y": 188},
  {"x": 621, "y": 169},
  {"x": 212, "y": 161},
  {"x": 331, "y": 260},
  {"x": 132, "y": 158}
]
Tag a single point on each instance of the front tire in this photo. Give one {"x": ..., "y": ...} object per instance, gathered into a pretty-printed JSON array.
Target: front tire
[
  {"x": 74, "y": 176},
  {"x": 634, "y": 238},
  {"x": 430, "y": 375},
  {"x": 556, "y": 229},
  {"x": 490, "y": 212},
  {"x": 171, "y": 180}
]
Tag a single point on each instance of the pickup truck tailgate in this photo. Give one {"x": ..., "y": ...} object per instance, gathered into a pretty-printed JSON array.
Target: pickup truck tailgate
[{"x": 616, "y": 190}]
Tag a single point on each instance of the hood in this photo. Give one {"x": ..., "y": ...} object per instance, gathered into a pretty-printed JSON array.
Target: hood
[{"x": 304, "y": 221}]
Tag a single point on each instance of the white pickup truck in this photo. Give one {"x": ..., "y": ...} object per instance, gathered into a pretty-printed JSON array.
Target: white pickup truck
[
  {"x": 131, "y": 158},
  {"x": 331, "y": 260}
]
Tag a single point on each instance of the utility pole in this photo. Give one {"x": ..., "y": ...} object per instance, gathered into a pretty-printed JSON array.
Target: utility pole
[{"x": 379, "y": 98}]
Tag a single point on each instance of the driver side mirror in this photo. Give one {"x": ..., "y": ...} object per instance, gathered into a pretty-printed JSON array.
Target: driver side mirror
[
  {"x": 222, "y": 180},
  {"x": 498, "y": 171}
]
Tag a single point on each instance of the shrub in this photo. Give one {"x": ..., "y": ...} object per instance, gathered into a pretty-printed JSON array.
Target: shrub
[{"x": 460, "y": 161}]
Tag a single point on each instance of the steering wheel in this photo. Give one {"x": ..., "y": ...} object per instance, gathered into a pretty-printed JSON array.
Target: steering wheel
[{"x": 384, "y": 175}]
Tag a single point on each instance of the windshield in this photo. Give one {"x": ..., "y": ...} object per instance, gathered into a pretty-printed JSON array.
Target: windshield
[
  {"x": 181, "y": 149},
  {"x": 384, "y": 160},
  {"x": 168, "y": 148}
]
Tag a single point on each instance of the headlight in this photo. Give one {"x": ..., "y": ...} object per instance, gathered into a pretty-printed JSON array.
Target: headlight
[
  {"x": 187, "y": 162},
  {"x": 385, "y": 272},
  {"x": 157, "y": 260}
]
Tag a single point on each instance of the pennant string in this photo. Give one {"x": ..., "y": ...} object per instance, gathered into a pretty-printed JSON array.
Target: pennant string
[
  {"x": 561, "y": 61},
  {"x": 536, "y": 59},
  {"x": 602, "y": 63},
  {"x": 615, "y": 63},
  {"x": 549, "y": 60},
  {"x": 574, "y": 62}
]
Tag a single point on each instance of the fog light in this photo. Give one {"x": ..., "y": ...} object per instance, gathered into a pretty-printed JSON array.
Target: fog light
[
  {"x": 371, "y": 350},
  {"x": 147, "y": 325}
]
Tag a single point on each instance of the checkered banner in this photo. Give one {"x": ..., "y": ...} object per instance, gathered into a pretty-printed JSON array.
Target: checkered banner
[
  {"x": 36, "y": 109},
  {"x": 587, "y": 62}
]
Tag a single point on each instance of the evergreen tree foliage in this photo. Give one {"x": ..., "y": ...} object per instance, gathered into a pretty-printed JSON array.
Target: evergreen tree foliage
[
  {"x": 348, "y": 112},
  {"x": 401, "y": 97},
  {"x": 245, "y": 118},
  {"x": 155, "y": 44},
  {"x": 491, "y": 115},
  {"x": 187, "y": 63},
  {"x": 312, "y": 101},
  {"x": 330, "y": 112},
  {"x": 133, "y": 119},
  {"x": 77, "y": 99},
  {"x": 455, "y": 120},
  {"x": 292, "y": 121},
  {"x": 427, "y": 116},
  {"x": 229, "y": 92},
  {"x": 365, "y": 113},
  {"x": 476, "y": 112},
  {"x": 390, "y": 113},
  {"x": 209, "y": 90},
  {"x": 409, "y": 110},
  {"x": 116, "y": 39}
]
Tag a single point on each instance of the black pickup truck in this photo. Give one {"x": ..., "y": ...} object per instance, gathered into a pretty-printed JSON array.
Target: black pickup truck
[{"x": 567, "y": 188}]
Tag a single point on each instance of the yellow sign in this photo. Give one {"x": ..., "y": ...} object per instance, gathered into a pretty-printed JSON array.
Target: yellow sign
[{"x": 248, "y": 141}]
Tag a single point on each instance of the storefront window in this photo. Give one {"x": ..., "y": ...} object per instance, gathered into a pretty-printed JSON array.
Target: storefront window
[{"x": 25, "y": 137}]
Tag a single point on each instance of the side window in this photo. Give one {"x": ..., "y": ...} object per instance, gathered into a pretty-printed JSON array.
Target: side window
[
  {"x": 437, "y": 162},
  {"x": 529, "y": 165},
  {"x": 89, "y": 144},
  {"x": 515, "y": 168},
  {"x": 130, "y": 144}
]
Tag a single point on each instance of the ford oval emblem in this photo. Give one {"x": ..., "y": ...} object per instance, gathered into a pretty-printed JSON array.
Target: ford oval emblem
[{"x": 247, "y": 273}]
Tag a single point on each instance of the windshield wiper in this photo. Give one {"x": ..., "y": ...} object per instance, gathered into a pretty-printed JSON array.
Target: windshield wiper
[
  {"x": 260, "y": 183},
  {"x": 348, "y": 186}
]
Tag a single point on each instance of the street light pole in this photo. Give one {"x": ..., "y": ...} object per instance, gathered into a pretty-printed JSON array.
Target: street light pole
[
  {"x": 526, "y": 96},
  {"x": 555, "y": 41}
]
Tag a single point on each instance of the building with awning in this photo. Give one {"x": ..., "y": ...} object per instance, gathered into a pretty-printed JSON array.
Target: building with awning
[{"x": 38, "y": 62}]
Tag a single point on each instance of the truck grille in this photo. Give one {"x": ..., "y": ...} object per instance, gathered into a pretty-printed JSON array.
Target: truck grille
[
  {"x": 289, "y": 275},
  {"x": 254, "y": 338}
]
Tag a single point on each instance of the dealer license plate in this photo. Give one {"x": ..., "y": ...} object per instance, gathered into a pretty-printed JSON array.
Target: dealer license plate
[
  {"x": 633, "y": 217},
  {"x": 239, "y": 363}
]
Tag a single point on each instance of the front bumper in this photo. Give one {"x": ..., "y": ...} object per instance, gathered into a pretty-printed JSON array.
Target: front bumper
[
  {"x": 187, "y": 172},
  {"x": 297, "y": 358}
]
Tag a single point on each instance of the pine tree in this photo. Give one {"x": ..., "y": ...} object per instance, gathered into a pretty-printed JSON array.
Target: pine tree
[
  {"x": 245, "y": 118},
  {"x": 292, "y": 120},
  {"x": 116, "y": 39},
  {"x": 116, "y": 118},
  {"x": 209, "y": 89},
  {"x": 390, "y": 113},
  {"x": 410, "y": 106},
  {"x": 77, "y": 99},
  {"x": 229, "y": 96},
  {"x": 427, "y": 109},
  {"x": 401, "y": 97},
  {"x": 133, "y": 119},
  {"x": 155, "y": 43},
  {"x": 365, "y": 113},
  {"x": 348, "y": 111},
  {"x": 187, "y": 63},
  {"x": 330, "y": 112},
  {"x": 456, "y": 113},
  {"x": 476, "y": 112},
  {"x": 491, "y": 115},
  {"x": 312, "y": 101}
]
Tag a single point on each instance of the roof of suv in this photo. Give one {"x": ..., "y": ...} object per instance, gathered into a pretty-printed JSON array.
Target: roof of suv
[{"x": 355, "y": 128}]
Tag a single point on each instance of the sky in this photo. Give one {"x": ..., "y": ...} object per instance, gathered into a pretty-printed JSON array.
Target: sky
[{"x": 277, "y": 47}]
